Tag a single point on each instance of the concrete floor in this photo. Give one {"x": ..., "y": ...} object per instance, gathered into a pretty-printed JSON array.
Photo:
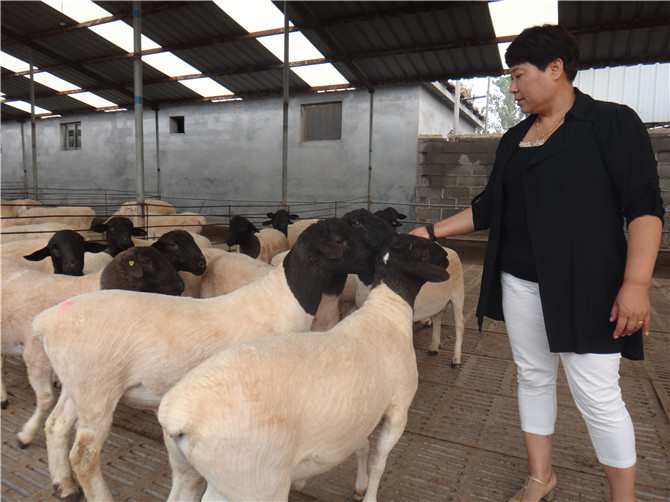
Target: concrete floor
[{"x": 462, "y": 441}]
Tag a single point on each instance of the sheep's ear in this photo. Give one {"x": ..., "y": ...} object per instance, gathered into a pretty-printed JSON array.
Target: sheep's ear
[
  {"x": 132, "y": 268},
  {"x": 293, "y": 217},
  {"x": 140, "y": 232},
  {"x": 269, "y": 215},
  {"x": 401, "y": 216},
  {"x": 38, "y": 255},
  {"x": 94, "y": 247},
  {"x": 100, "y": 227},
  {"x": 267, "y": 223}
]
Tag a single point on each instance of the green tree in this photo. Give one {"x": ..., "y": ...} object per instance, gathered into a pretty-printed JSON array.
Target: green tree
[{"x": 503, "y": 107}]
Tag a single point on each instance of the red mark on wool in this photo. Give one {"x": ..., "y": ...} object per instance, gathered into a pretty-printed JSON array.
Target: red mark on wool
[{"x": 65, "y": 305}]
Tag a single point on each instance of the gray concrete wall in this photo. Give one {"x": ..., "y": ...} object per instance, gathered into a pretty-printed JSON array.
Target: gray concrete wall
[
  {"x": 232, "y": 151},
  {"x": 451, "y": 173}
]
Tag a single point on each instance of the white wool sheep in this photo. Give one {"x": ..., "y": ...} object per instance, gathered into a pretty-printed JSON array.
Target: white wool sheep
[
  {"x": 161, "y": 217},
  {"x": 20, "y": 305},
  {"x": 263, "y": 414},
  {"x": 176, "y": 250},
  {"x": 109, "y": 345},
  {"x": 77, "y": 217},
  {"x": 13, "y": 208},
  {"x": 228, "y": 271},
  {"x": 36, "y": 231},
  {"x": 431, "y": 303}
]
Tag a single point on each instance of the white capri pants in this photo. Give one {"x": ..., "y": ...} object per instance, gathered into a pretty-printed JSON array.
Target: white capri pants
[{"x": 593, "y": 379}]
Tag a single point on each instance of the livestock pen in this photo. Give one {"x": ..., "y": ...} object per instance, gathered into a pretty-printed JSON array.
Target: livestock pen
[{"x": 462, "y": 440}]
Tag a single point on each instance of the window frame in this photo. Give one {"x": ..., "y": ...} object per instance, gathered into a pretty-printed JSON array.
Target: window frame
[
  {"x": 66, "y": 127},
  {"x": 321, "y": 121}
]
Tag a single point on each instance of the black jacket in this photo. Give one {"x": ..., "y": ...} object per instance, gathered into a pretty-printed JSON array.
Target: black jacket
[{"x": 594, "y": 171}]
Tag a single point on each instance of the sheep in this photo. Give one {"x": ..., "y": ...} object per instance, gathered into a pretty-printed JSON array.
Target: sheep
[
  {"x": 13, "y": 208},
  {"x": 109, "y": 345},
  {"x": 21, "y": 304},
  {"x": 280, "y": 220},
  {"x": 161, "y": 217},
  {"x": 295, "y": 229},
  {"x": 18, "y": 312},
  {"x": 118, "y": 232},
  {"x": 77, "y": 217},
  {"x": 228, "y": 271},
  {"x": 263, "y": 246},
  {"x": 258, "y": 416},
  {"x": 36, "y": 231},
  {"x": 392, "y": 216},
  {"x": 431, "y": 303},
  {"x": 150, "y": 206},
  {"x": 66, "y": 248}
]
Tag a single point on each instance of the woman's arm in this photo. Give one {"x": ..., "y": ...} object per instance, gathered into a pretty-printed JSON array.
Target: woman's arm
[
  {"x": 632, "y": 302},
  {"x": 458, "y": 224}
]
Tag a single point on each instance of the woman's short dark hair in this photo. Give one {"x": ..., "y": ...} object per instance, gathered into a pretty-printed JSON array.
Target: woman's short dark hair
[{"x": 540, "y": 45}]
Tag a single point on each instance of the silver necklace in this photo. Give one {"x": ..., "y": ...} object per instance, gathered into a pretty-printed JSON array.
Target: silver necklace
[{"x": 540, "y": 137}]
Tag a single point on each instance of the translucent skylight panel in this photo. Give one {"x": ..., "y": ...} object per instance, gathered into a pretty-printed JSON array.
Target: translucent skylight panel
[
  {"x": 169, "y": 64},
  {"x": 511, "y": 17},
  {"x": 54, "y": 82},
  {"x": 121, "y": 34},
  {"x": 79, "y": 10},
  {"x": 92, "y": 99},
  {"x": 261, "y": 15},
  {"x": 253, "y": 15},
  {"x": 299, "y": 49},
  {"x": 12, "y": 63},
  {"x": 206, "y": 87},
  {"x": 25, "y": 106},
  {"x": 320, "y": 75}
]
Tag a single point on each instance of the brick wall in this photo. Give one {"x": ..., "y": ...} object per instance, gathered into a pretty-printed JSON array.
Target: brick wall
[{"x": 451, "y": 173}]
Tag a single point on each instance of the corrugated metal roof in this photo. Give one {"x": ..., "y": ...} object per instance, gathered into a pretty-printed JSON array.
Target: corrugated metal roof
[{"x": 371, "y": 43}]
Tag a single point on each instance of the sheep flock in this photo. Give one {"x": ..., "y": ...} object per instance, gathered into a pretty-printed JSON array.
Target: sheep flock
[{"x": 309, "y": 322}]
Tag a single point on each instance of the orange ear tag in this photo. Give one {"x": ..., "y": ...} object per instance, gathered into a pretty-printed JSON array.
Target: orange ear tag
[{"x": 131, "y": 263}]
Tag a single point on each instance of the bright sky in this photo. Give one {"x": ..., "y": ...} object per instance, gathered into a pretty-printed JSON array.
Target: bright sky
[{"x": 509, "y": 18}]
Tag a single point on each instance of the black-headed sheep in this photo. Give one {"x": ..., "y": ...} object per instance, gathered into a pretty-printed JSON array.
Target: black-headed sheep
[
  {"x": 264, "y": 414},
  {"x": 157, "y": 339}
]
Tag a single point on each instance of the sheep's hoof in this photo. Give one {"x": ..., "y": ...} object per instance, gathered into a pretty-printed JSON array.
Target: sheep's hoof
[
  {"x": 21, "y": 444},
  {"x": 455, "y": 364},
  {"x": 359, "y": 496},
  {"x": 73, "y": 497},
  {"x": 433, "y": 352},
  {"x": 4, "y": 404}
]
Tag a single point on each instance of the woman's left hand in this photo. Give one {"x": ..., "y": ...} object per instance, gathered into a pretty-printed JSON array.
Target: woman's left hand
[{"x": 631, "y": 310}]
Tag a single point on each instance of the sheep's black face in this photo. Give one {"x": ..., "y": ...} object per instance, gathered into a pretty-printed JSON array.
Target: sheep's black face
[
  {"x": 180, "y": 249},
  {"x": 149, "y": 271},
  {"x": 407, "y": 262},
  {"x": 66, "y": 249},
  {"x": 391, "y": 216},
  {"x": 374, "y": 232},
  {"x": 416, "y": 257},
  {"x": 240, "y": 231},
  {"x": 280, "y": 220}
]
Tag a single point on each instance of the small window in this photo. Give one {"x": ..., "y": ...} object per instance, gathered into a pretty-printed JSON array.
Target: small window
[
  {"x": 177, "y": 125},
  {"x": 71, "y": 136},
  {"x": 322, "y": 121}
]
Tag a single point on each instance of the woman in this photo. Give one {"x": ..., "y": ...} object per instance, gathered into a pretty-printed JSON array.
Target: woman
[{"x": 558, "y": 268}]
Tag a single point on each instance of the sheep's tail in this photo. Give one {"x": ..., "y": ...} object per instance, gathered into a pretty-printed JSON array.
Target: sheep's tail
[{"x": 42, "y": 321}]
